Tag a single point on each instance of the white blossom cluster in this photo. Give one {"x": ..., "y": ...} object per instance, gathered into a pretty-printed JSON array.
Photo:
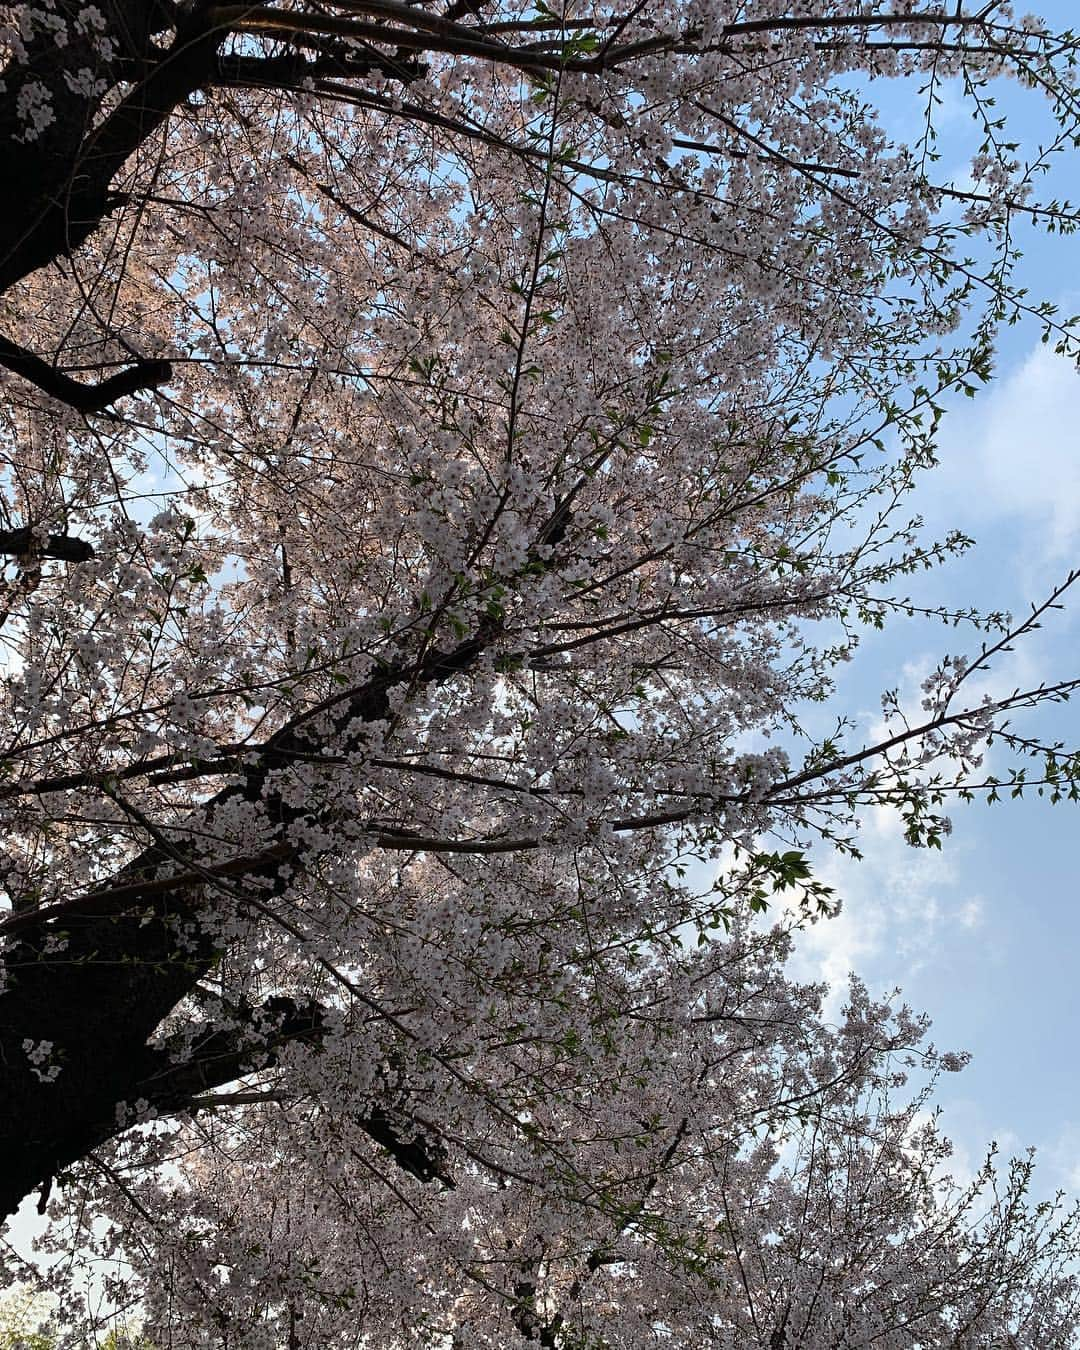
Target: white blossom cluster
[
  {"x": 40, "y": 1055},
  {"x": 429, "y": 705}
]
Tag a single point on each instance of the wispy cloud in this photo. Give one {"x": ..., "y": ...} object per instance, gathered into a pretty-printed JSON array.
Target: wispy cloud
[
  {"x": 901, "y": 909},
  {"x": 1014, "y": 456}
]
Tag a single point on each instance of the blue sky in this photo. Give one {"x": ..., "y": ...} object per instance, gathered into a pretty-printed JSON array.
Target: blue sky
[{"x": 985, "y": 935}]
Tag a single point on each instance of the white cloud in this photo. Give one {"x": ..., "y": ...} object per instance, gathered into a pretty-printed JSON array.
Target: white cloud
[
  {"x": 1062, "y": 1157},
  {"x": 902, "y": 909},
  {"x": 970, "y": 913},
  {"x": 1016, "y": 454}
]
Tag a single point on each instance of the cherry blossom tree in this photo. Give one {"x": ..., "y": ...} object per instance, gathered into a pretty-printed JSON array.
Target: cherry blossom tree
[
  {"x": 446, "y": 450},
  {"x": 732, "y": 1172}
]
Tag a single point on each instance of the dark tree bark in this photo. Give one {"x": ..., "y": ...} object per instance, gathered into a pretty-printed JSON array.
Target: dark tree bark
[
  {"x": 85, "y": 397},
  {"x": 96, "y": 979},
  {"x": 131, "y": 951},
  {"x": 64, "y": 547},
  {"x": 66, "y": 173}
]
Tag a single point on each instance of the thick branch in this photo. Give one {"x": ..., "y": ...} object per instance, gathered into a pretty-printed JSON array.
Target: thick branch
[
  {"x": 65, "y": 547},
  {"x": 140, "y": 945},
  {"x": 223, "y": 1056},
  {"x": 86, "y": 398},
  {"x": 65, "y": 180}
]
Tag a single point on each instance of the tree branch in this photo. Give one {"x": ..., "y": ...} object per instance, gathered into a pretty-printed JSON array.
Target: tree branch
[
  {"x": 65, "y": 547},
  {"x": 88, "y": 398},
  {"x": 224, "y": 1055}
]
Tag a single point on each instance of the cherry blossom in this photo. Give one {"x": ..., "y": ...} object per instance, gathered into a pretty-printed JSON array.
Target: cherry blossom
[{"x": 445, "y": 453}]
